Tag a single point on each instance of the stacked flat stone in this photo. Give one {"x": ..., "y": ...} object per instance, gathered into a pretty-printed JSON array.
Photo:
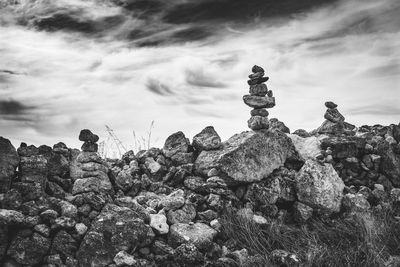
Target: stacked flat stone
[
  {"x": 334, "y": 120},
  {"x": 90, "y": 141},
  {"x": 260, "y": 98}
]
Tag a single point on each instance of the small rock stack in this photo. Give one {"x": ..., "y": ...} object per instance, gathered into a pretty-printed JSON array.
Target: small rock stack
[
  {"x": 90, "y": 141},
  {"x": 260, "y": 99},
  {"x": 334, "y": 122}
]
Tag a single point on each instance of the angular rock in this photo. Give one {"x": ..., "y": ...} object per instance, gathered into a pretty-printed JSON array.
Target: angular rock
[
  {"x": 308, "y": 147},
  {"x": 256, "y": 69},
  {"x": 200, "y": 234},
  {"x": 184, "y": 215},
  {"x": 11, "y": 217},
  {"x": 159, "y": 223},
  {"x": 176, "y": 143},
  {"x": 247, "y": 157},
  {"x": 124, "y": 259},
  {"x": 64, "y": 244},
  {"x": 175, "y": 200},
  {"x": 333, "y": 115},
  {"x": 115, "y": 229},
  {"x": 29, "y": 250},
  {"x": 329, "y": 127},
  {"x": 275, "y": 124},
  {"x": 390, "y": 162},
  {"x": 207, "y": 139},
  {"x": 259, "y": 101},
  {"x": 319, "y": 186},
  {"x": 9, "y": 161},
  {"x": 258, "y": 123}
]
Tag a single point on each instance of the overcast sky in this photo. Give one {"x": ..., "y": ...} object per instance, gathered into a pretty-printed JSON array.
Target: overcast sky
[{"x": 66, "y": 65}]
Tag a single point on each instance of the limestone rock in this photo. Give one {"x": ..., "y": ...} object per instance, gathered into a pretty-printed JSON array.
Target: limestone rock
[
  {"x": 319, "y": 186},
  {"x": 200, "y": 234},
  {"x": 308, "y": 147},
  {"x": 259, "y": 101},
  {"x": 207, "y": 139},
  {"x": 124, "y": 259},
  {"x": 159, "y": 223},
  {"x": 248, "y": 156},
  {"x": 9, "y": 161}
]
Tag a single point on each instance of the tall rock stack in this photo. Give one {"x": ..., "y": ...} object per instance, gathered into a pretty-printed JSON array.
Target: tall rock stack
[
  {"x": 260, "y": 98},
  {"x": 92, "y": 187}
]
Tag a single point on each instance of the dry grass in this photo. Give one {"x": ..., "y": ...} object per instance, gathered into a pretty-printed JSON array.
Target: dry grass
[{"x": 363, "y": 240}]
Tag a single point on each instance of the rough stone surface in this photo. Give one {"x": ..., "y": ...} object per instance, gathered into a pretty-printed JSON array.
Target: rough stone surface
[
  {"x": 390, "y": 162},
  {"x": 302, "y": 212},
  {"x": 9, "y": 161},
  {"x": 275, "y": 124},
  {"x": 115, "y": 229},
  {"x": 319, "y": 186},
  {"x": 176, "y": 143},
  {"x": 159, "y": 223},
  {"x": 124, "y": 259},
  {"x": 308, "y": 147},
  {"x": 355, "y": 203},
  {"x": 29, "y": 250},
  {"x": 259, "y": 101},
  {"x": 258, "y": 123},
  {"x": 258, "y": 90},
  {"x": 200, "y": 234},
  {"x": 259, "y": 112},
  {"x": 207, "y": 139},
  {"x": 247, "y": 157}
]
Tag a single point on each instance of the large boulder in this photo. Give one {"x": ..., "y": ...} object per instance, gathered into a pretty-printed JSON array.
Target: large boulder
[
  {"x": 319, "y": 186},
  {"x": 115, "y": 229},
  {"x": 8, "y": 163},
  {"x": 248, "y": 156}
]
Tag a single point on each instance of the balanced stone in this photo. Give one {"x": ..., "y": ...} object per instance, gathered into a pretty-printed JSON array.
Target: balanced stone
[
  {"x": 259, "y": 101},
  {"x": 258, "y": 80},
  {"x": 257, "y": 69},
  {"x": 256, "y": 75},
  {"x": 330, "y": 104},
  {"x": 259, "y": 112},
  {"x": 259, "y": 89},
  {"x": 333, "y": 115},
  {"x": 258, "y": 123},
  {"x": 87, "y": 136}
]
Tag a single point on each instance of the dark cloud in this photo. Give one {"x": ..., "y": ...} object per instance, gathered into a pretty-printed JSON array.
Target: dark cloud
[
  {"x": 158, "y": 88},
  {"x": 237, "y": 10},
  {"x": 64, "y": 21},
  {"x": 199, "y": 78},
  {"x": 13, "y": 107},
  {"x": 145, "y": 6},
  {"x": 192, "y": 34}
]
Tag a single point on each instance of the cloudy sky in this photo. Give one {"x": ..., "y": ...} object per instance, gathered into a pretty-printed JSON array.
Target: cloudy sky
[{"x": 66, "y": 65}]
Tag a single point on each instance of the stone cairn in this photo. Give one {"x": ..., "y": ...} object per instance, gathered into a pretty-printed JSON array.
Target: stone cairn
[
  {"x": 334, "y": 120},
  {"x": 260, "y": 98}
]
